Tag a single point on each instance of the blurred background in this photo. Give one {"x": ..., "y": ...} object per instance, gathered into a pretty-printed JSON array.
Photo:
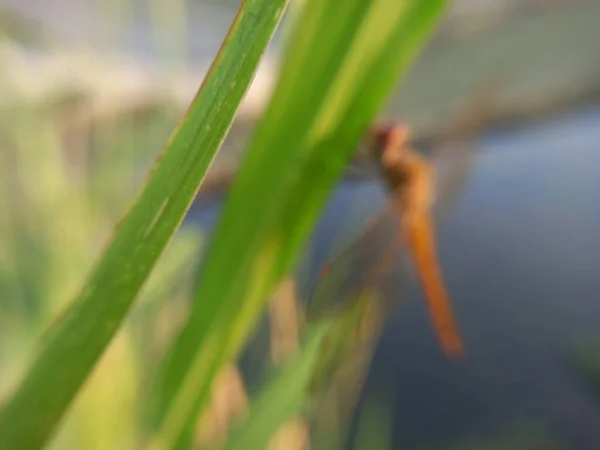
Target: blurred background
[{"x": 89, "y": 93}]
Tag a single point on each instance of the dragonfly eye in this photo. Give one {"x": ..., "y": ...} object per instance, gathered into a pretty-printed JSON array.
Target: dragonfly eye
[{"x": 394, "y": 135}]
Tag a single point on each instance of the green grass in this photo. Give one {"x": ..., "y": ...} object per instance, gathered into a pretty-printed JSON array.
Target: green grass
[
  {"x": 283, "y": 398},
  {"x": 53, "y": 220},
  {"x": 75, "y": 342},
  {"x": 340, "y": 65},
  {"x": 295, "y": 157}
]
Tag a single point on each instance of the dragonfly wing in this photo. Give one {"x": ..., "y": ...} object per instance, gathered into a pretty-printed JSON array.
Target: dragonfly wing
[
  {"x": 451, "y": 175},
  {"x": 342, "y": 280},
  {"x": 363, "y": 170},
  {"x": 454, "y": 156},
  {"x": 347, "y": 274}
]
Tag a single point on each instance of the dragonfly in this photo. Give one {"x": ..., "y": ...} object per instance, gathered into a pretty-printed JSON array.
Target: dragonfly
[{"x": 414, "y": 185}]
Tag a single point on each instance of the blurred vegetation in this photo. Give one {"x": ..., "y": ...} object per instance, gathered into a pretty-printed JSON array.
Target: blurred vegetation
[
  {"x": 63, "y": 187},
  {"x": 66, "y": 182}
]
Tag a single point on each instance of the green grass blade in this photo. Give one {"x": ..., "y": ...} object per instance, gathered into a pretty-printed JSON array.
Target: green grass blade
[
  {"x": 281, "y": 400},
  {"x": 73, "y": 345},
  {"x": 341, "y": 64},
  {"x": 376, "y": 423}
]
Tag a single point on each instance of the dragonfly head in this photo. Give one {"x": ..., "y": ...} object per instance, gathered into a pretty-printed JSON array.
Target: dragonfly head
[
  {"x": 392, "y": 147},
  {"x": 391, "y": 142},
  {"x": 391, "y": 135}
]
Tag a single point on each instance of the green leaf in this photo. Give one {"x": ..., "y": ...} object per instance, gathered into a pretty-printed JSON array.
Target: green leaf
[
  {"x": 282, "y": 399},
  {"x": 376, "y": 423},
  {"x": 74, "y": 343},
  {"x": 341, "y": 64}
]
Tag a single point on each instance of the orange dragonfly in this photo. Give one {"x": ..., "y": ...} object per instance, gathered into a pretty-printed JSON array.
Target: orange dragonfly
[{"x": 415, "y": 184}]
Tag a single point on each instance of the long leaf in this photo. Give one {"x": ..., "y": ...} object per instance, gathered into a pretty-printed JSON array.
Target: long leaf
[
  {"x": 75, "y": 342},
  {"x": 341, "y": 64}
]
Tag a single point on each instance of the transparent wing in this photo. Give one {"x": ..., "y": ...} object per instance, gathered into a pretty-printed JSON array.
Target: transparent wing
[
  {"x": 454, "y": 156},
  {"x": 352, "y": 270}
]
